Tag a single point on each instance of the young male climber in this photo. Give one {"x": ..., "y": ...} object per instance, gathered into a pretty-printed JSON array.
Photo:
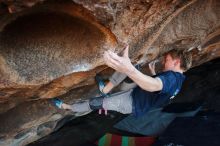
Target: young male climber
[{"x": 147, "y": 92}]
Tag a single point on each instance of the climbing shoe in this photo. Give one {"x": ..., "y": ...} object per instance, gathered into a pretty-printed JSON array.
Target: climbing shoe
[
  {"x": 100, "y": 84},
  {"x": 57, "y": 102}
]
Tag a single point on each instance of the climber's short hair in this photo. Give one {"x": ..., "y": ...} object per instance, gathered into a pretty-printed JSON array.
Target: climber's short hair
[{"x": 185, "y": 58}]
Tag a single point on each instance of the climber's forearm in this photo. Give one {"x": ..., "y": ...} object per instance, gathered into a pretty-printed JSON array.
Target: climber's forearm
[{"x": 146, "y": 82}]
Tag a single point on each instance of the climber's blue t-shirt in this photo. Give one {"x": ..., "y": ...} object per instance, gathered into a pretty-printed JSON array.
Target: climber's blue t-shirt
[{"x": 143, "y": 100}]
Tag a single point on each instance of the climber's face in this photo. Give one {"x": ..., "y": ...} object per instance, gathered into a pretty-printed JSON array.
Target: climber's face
[{"x": 170, "y": 63}]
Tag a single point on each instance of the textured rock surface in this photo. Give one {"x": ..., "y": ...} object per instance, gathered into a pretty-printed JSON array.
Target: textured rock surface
[
  {"x": 54, "y": 48},
  {"x": 48, "y": 50}
]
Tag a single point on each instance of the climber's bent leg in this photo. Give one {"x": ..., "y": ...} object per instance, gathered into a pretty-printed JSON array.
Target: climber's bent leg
[
  {"x": 117, "y": 78},
  {"x": 120, "y": 102}
]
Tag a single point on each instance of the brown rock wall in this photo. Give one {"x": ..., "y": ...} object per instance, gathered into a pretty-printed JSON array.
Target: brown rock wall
[
  {"x": 54, "y": 48},
  {"x": 43, "y": 47}
]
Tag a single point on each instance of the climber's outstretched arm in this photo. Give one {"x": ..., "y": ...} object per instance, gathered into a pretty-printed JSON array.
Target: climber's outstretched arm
[{"x": 123, "y": 64}]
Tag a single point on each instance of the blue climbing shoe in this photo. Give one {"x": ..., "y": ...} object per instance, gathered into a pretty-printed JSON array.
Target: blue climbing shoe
[
  {"x": 57, "y": 102},
  {"x": 101, "y": 84}
]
